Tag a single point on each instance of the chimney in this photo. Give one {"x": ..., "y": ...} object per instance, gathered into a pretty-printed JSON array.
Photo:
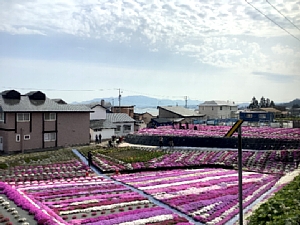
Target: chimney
[{"x": 102, "y": 102}]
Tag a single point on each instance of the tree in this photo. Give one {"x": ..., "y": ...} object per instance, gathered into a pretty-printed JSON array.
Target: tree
[
  {"x": 295, "y": 106},
  {"x": 262, "y": 103},
  {"x": 268, "y": 101},
  {"x": 253, "y": 104},
  {"x": 272, "y": 104}
]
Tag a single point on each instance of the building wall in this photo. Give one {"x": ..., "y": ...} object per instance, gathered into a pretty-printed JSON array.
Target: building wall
[
  {"x": 122, "y": 132},
  {"x": 256, "y": 116},
  {"x": 217, "y": 112},
  {"x": 106, "y": 134},
  {"x": 73, "y": 128},
  {"x": 167, "y": 114},
  {"x": 98, "y": 114},
  {"x": 123, "y": 109}
]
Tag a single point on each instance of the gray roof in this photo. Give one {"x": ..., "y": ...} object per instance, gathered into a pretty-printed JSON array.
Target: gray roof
[
  {"x": 26, "y": 105},
  {"x": 181, "y": 111},
  {"x": 218, "y": 103},
  {"x": 167, "y": 120},
  {"x": 101, "y": 124},
  {"x": 118, "y": 117}
]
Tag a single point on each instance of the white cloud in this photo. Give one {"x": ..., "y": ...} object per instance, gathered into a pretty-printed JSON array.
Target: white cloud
[{"x": 211, "y": 32}]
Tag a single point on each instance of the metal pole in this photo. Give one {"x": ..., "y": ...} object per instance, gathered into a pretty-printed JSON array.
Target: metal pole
[{"x": 240, "y": 175}]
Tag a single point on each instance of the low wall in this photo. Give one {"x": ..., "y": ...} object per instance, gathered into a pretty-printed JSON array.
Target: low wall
[{"x": 216, "y": 142}]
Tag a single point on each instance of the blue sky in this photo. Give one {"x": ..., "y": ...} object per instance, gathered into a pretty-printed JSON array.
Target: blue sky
[{"x": 206, "y": 50}]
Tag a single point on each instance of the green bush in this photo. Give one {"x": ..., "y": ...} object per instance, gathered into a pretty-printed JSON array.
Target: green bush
[
  {"x": 3, "y": 166},
  {"x": 283, "y": 208}
]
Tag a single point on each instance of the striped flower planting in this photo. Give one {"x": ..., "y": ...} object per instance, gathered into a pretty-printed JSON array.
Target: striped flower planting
[
  {"x": 220, "y": 131},
  {"x": 208, "y": 195},
  {"x": 91, "y": 200},
  {"x": 275, "y": 162}
]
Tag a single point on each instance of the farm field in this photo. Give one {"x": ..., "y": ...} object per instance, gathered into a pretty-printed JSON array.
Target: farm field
[{"x": 133, "y": 185}]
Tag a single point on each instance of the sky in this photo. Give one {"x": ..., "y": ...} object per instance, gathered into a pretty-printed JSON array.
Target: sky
[{"x": 79, "y": 50}]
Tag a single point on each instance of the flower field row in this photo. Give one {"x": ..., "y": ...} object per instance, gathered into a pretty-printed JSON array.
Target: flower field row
[
  {"x": 89, "y": 200},
  {"x": 62, "y": 170},
  {"x": 275, "y": 162},
  {"x": 207, "y": 195},
  {"x": 220, "y": 131}
]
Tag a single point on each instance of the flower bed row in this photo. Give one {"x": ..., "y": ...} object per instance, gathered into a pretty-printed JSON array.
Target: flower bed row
[
  {"x": 94, "y": 200},
  {"x": 62, "y": 170},
  {"x": 220, "y": 131},
  {"x": 275, "y": 162},
  {"x": 208, "y": 195}
]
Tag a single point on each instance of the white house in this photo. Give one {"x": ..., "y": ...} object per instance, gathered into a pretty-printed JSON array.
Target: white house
[
  {"x": 99, "y": 124},
  {"x": 218, "y": 109},
  {"x": 124, "y": 123}
]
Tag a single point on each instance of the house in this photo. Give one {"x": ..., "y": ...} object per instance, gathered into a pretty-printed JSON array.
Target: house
[
  {"x": 178, "y": 114},
  {"x": 142, "y": 120},
  {"x": 129, "y": 110},
  {"x": 276, "y": 112},
  {"x": 124, "y": 123},
  {"x": 98, "y": 122},
  {"x": 33, "y": 122},
  {"x": 256, "y": 116},
  {"x": 218, "y": 109}
]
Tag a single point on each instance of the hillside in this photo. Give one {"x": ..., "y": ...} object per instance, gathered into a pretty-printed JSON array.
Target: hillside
[{"x": 144, "y": 101}]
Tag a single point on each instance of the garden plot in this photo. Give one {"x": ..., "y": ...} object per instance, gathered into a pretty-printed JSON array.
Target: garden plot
[
  {"x": 88, "y": 200},
  {"x": 208, "y": 195}
]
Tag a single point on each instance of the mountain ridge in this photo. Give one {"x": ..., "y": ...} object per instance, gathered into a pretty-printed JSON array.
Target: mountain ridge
[{"x": 141, "y": 101}]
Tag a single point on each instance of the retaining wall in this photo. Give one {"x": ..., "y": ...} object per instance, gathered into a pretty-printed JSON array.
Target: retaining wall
[{"x": 216, "y": 142}]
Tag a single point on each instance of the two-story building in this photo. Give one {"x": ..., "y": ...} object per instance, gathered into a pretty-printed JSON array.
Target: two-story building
[
  {"x": 218, "y": 109},
  {"x": 129, "y": 110},
  {"x": 33, "y": 121},
  {"x": 170, "y": 115},
  {"x": 99, "y": 125}
]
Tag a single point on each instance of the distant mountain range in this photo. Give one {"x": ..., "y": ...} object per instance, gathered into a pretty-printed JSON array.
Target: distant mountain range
[
  {"x": 291, "y": 103},
  {"x": 140, "y": 101}
]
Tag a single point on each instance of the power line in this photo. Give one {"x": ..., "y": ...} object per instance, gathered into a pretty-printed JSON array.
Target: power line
[
  {"x": 282, "y": 14},
  {"x": 272, "y": 20}
]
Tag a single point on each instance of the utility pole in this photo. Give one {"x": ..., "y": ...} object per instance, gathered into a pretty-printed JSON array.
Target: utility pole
[
  {"x": 185, "y": 98},
  {"x": 119, "y": 100},
  {"x": 234, "y": 128}
]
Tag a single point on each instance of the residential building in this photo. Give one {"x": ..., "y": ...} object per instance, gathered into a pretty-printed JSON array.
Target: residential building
[
  {"x": 177, "y": 114},
  {"x": 33, "y": 122},
  {"x": 256, "y": 116},
  {"x": 99, "y": 125},
  {"x": 218, "y": 109},
  {"x": 129, "y": 110},
  {"x": 142, "y": 120},
  {"x": 124, "y": 123}
]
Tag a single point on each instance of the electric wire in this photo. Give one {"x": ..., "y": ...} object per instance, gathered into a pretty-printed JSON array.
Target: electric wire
[{"x": 272, "y": 20}]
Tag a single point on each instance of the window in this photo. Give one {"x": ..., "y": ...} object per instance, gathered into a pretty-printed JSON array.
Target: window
[
  {"x": 49, "y": 116},
  {"x": 221, "y": 108},
  {"x": 23, "y": 117},
  {"x": 262, "y": 116},
  {"x": 248, "y": 115},
  {"x": 2, "y": 116},
  {"x": 18, "y": 138},
  {"x": 127, "y": 128},
  {"x": 49, "y": 136},
  {"x": 118, "y": 128},
  {"x": 212, "y": 108},
  {"x": 27, "y": 137}
]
